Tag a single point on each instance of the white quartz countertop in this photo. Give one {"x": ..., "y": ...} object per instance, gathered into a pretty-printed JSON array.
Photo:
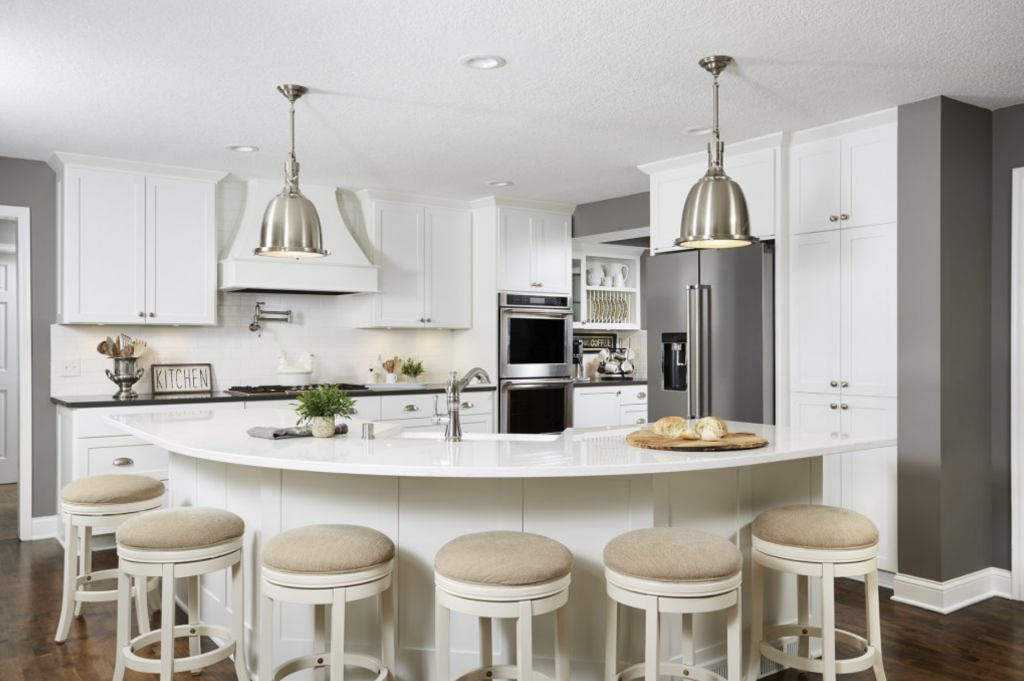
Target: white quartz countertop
[{"x": 221, "y": 436}]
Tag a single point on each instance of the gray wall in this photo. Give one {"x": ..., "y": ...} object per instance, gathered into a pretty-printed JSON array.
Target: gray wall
[
  {"x": 33, "y": 184},
  {"x": 944, "y": 252},
  {"x": 1007, "y": 154},
  {"x": 612, "y": 215}
]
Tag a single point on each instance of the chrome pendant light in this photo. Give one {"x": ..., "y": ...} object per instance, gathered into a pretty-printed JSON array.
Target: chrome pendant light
[
  {"x": 715, "y": 212},
  {"x": 291, "y": 226}
]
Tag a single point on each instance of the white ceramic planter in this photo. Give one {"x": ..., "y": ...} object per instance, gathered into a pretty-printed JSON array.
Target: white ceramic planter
[{"x": 322, "y": 426}]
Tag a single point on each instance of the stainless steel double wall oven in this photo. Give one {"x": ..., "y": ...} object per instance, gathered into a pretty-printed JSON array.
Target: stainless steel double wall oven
[{"x": 535, "y": 363}]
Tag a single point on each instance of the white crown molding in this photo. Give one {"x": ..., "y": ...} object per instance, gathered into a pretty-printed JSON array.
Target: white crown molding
[
  {"x": 525, "y": 204},
  {"x": 732, "y": 149},
  {"x": 412, "y": 199},
  {"x": 61, "y": 159},
  {"x": 954, "y": 594},
  {"x": 871, "y": 120}
]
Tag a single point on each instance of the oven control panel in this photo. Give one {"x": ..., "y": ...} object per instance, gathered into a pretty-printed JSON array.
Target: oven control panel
[{"x": 524, "y": 300}]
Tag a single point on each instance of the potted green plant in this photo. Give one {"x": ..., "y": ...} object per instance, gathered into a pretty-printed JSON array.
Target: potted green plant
[
  {"x": 321, "y": 406},
  {"x": 412, "y": 369}
]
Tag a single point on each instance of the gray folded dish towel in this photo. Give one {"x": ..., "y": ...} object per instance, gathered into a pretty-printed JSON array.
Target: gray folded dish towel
[{"x": 268, "y": 433}]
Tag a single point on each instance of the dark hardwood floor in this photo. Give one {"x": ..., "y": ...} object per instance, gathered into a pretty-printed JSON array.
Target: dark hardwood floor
[
  {"x": 8, "y": 511},
  {"x": 985, "y": 641}
]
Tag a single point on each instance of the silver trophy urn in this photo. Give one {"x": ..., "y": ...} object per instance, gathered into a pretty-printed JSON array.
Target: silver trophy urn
[{"x": 125, "y": 375}]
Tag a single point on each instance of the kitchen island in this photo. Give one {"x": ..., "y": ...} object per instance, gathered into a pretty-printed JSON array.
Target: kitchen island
[{"x": 582, "y": 488}]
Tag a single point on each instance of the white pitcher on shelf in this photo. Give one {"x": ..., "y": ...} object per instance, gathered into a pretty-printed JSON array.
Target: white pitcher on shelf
[
  {"x": 594, "y": 275},
  {"x": 618, "y": 273}
]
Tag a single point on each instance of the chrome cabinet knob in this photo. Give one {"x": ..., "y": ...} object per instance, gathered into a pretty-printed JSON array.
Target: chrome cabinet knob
[
  {"x": 641, "y": 420},
  {"x": 641, "y": 395},
  {"x": 834, "y": 384},
  {"x": 467, "y": 405},
  {"x": 142, "y": 314},
  {"x": 833, "y": 406},
  {"x": 429, "y": 320},
  {"x": 422, "y": 319},
  {"x": 844, "y": 406},
  {"x": 844, "y": 216},
  {"x": 123, "y": 461},
  {"x": 833, "y": 218},
  {"x": 844, "y": 384},
  {"x": 152, "y": 314},
  {"x": 354, "y": 411},
  {"x": 411, "y": 407}
]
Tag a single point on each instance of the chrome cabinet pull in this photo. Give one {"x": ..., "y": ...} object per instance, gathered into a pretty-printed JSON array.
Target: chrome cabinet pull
[
  {"x": 123, "y": 461},
  {"x": 833, "y": 218},
  {"x": 411, "y": 407},
  {"x": 641, "y": 420},
  {"x": 834, "y": 384},
  {"x": 152, "y": 314},
  {"x": 844, "y": 216},
  {"x": 354, "y": 411},
  {"x": 844, "y": 406},
  {"x": 641, "y": 395},
  {"x": 833, "y": 406},
  {"x": 142, "y": 314},
  {"x": 467, "y": 405},
  {"x": 845, "y": 384}
]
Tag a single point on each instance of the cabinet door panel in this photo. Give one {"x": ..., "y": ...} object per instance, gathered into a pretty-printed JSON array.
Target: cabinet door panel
[
  {"x": 595, "y": 408},
  {"x": 633, "y": 415},
  {"x": 869, "y": 416},
  {"x": 553, "y": 245},
  {"x": 516, "y": 267},
  {"x": 814, "y": 186},
  {"x": 814, "y": 413},
  {"x": 181, "y": 258},
  {"x": 815, "y": 312},
  {"x": 399, "y": 240},
  {"x": 755, "y": 173},
  {"x": 447, "y": 273},
  {"x": 104, "y": 250},
  {"x": 869, "y": 487},
  {"x": 668, "y": 194},
  {"x": 869, "y": 177},
  {"x": 869, "y": 311}
]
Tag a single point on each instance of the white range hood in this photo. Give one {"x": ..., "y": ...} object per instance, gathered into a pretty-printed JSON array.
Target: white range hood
[{"x": 345, "y": 270}]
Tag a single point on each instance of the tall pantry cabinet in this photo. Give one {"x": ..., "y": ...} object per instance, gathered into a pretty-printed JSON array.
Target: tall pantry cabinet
[{"x": 843, "y": 313}]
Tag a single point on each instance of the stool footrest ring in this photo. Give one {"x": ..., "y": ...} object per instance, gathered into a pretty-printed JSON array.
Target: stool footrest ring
[
  {"x": 498, "y": 671},
  {"x": 181, "y": 664},
  {"x": 673, "y": 669},
  {"x": 297, "y": 664},
  {"x": 848, "y": 666}
]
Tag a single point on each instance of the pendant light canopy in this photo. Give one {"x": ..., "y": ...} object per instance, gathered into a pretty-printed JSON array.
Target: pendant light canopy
[
  {"x": 715, "y": 212},
  {"x": 291, "y": 226}
]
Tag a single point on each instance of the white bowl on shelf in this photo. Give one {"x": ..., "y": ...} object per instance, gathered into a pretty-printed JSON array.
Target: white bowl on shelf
[{"x": 293, "y": 378}]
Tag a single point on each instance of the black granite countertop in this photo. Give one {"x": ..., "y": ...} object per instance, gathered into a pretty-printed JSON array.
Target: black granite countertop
[
  {"x": 93, "y": 401},
  {"x": 599, "y": 383}
]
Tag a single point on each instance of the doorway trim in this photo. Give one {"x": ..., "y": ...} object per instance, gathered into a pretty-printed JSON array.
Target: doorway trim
[
  {"x": 23, "y": 242},
  {"x": 1017, "y": 386}
]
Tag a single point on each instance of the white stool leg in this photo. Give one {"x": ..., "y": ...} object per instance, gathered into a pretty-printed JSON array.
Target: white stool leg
[
  {"x": 803, "y": 608},
  {"x": 387, "y": 633},
  {"x": 338, "y": 636},
  {"x": 141, "y": 598},
  {"x": 238, "y": 619},
  {"x": 524, "y": 641},
  {"x": 874, "y": 621},
  {"x": 167, "y": 625},
  {"x": 70, "y": 580},
  {"x": 486, "y": 642},
  {"x": 611, "y": 639},
  {"x": 193, "y": 615},
  {"x": 652, "y": 636},
  {"x": 84, "y": 562},
  {"x": 828, "y": 622},
  {"x": 688, "y": 655},
  {"x": 756, "y": 617},
  {"x": 124, "y": 622},
  {"x": 734, "y": 639},
  {"x": 320, "y": 646},
  {"x": 442, "y": 622},
  {"x": 562, "y": 644},
  {"x": 265, "y": 659}
]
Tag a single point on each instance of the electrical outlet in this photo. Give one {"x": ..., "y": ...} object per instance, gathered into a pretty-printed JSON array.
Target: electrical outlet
[{"x": 71, "y": 368}]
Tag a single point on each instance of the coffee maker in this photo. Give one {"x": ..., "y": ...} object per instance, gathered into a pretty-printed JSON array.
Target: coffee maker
[{"x": 578, "y": 372}]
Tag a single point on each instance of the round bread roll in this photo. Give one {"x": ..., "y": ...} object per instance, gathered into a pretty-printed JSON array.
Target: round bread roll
[
  {"x": 712, "y": 423},
  {"x": 709, "y": 435},
  {"x": 674, "y": 427}
]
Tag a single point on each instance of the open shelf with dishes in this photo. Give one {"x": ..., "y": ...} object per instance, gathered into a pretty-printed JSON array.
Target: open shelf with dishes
[{"x": 606, "y": 287}]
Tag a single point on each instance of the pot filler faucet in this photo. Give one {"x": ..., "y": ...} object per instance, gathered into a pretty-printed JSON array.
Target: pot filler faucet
[{"x": 453, "y": 389}]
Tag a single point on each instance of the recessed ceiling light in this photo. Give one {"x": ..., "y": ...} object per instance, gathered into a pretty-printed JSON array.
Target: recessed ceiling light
[
  {"x": 483, "y": 62},
  {"x": 697, "y": 130},
  {"x": 242, "y": 148},
  {"x": 499, "y": 183}
]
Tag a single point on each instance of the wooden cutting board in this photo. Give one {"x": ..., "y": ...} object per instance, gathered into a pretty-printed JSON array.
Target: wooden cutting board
[{"x": 646, "y": 439}]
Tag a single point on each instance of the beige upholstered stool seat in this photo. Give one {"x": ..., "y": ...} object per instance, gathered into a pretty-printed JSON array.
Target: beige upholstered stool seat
[
  {"x": 180, "y": 529},
  {"x": 503, "y": 559},
  {"x": 816, "y": 527},
  {"x": 112, "y": 488},
  {"x": 673, "y": 554},
  {"x": 328, "y": 549}
]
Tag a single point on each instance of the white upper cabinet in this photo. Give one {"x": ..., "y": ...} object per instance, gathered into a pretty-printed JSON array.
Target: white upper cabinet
[
  {"x": 668, "y": 194},
  {"x": 869, "y": 311},
  {"x": 135, "y": 247},
  {"x": 534, "y": 251},
  {"x": 424, "y": 257},
  {"x": 815, "y": 313},
  {"x": 756, "y": 174},
  {"x": 844, "y": 182}
]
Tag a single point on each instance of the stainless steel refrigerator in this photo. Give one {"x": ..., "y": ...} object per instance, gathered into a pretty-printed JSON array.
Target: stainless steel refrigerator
[{"x": 711, "y": 333}]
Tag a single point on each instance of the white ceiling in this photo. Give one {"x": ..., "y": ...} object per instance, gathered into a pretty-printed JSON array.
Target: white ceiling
[{"x": 591, "y": 90}]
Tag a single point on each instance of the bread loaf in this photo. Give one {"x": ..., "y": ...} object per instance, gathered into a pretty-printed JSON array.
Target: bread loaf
[
  {"x": 712, "y": 424},
  {"x": 674, "y": 427}
]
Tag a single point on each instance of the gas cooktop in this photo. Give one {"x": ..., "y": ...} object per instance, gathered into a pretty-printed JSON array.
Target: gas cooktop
[{"x": 287, "y": 390}]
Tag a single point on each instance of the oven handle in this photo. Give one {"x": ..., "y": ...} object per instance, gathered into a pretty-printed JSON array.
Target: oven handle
[
  {"x": 531, "y": 312},
  {"x": 539, "y": 383}
]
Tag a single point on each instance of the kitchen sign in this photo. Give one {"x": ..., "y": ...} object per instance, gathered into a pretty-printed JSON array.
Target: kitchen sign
[{"x": 169, "y": 379}]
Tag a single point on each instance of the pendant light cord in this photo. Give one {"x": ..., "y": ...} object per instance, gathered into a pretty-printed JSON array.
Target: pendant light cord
[
  {"x": 715, "y": 147},
  {"x": 292, "y": 166}
]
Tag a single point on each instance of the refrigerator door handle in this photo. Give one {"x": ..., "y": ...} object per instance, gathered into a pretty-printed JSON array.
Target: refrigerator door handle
[
  {"x": 707, "y": 349},
  {"x": 698, "y": 394}
]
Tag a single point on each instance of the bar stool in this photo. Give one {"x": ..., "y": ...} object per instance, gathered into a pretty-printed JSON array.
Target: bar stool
[
  {"x": 328, "y": 566},
  {"x": 100, "y": 501},
  {"x": 180, "y": 543},
  {"x": 825, "y": 542},
  {"x": 679, "y": 571},
  {"x": 506, "y": 575}
]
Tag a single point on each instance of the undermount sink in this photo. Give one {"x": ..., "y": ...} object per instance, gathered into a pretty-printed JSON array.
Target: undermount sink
[{"x": 479, "y": 437}]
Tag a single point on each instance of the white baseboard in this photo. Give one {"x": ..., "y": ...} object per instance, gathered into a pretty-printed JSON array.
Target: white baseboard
[
  {"x": 954, "y": 594},
  {"x": 44, "y": 527}
]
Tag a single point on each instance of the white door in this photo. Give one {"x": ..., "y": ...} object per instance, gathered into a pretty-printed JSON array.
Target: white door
[
  {"x": 815, "y": 313},
  {"x": 869, "y": 177},
  {"x": 869, "y": 311},
  {"x": 553, "y": 243},
  {"x": 399, "y": 244},
  {"x": 515, "y": 250},
  {"x": 593, "y": 408},
  {"x": 447, "y": 276},
  {"x": 814, "y": 186},
  {"x": 181, "y": 252},
  {"x": 755, "y": 174},
  {"x": 8, "y": 369},
  {"x": 668, "y": 194},
  {"x": 104, "y": 247}
]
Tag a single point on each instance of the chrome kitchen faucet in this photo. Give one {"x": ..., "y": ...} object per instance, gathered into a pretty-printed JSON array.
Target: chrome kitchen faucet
[{"x": 453, "y": 390}]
